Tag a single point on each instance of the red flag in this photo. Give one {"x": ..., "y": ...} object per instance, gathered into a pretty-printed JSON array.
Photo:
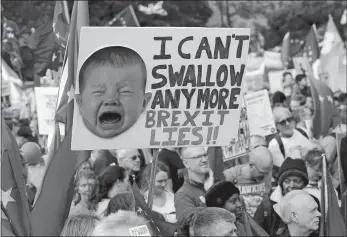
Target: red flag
[
  {"x": 252, "y": 228},
  {"x": 325, "y": 112},
  {"x": 15, "y": 215},
  {"x": 61, "y": 21},
  {"x": 54, "y": 201},
  {"x": 332, "y": 222},
  {"x": 80, "y": 17},
  {"x": 215, "y": 157}
]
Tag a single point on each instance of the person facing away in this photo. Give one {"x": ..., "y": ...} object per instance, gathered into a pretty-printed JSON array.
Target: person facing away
[
  {"x": 288, "y": 137},
  {"x": 163, "y": 199},
  {"x": 112, "y": 83},
  {"x": 292, "y": 176},
  {"x": 254, "y": 178},
  {"x": 171, "y": 159},
  {"x": 79, "y": 225},
  {"x": 225, "y": 194},
  {"x": 214, "y": 221},
  {"x": 120, "y": 224},
  {"x": 121, "y": 202},
  {"x": 300, "y": 213},
  {"x": 85, "y": 182},
  {"x": 113, "y": 180},
  {"x": 192, "y": 193}
]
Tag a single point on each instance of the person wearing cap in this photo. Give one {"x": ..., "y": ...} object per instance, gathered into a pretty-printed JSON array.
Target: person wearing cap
[
  {"x": 300, "y": 214},
  {"x": 292, "y": 176},
  {"x": 225, "y": 194},
  {"x": 254, "y": 178}
]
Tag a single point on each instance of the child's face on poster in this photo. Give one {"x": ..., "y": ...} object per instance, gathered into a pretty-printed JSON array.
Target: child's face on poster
[{"x": 112, "y": 98}]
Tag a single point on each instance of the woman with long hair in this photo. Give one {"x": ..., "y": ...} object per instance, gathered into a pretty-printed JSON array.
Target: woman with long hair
[
  {"x": 163, "y": 200},
  {"x": 113, "y": 180},
  {"x": 85, "y": 182}
]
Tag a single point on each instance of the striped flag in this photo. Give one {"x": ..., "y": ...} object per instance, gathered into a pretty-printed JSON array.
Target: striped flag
[{"x": 15, "y": 215}]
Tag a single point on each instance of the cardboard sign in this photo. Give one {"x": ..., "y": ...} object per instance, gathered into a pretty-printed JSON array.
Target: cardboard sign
[
  {"x": 279, "y": 80},
  {"x": 5, "y": 88},
  {"x": 158, "y": 87},
  {"x": 46, "y": 100},
  {"x": 259, "y": 113},
  {"x": 240, "y": 146},
  {"x": 139, "y": 231}
]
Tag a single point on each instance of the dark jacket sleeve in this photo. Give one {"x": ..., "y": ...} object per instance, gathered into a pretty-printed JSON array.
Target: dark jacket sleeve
[
  {"x": 184, "y": 205},
  {"x": 259, "y": 217}
]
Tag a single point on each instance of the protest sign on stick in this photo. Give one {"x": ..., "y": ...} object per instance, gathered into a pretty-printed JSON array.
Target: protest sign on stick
[
  {"x": 259, "y": 113},
  {"x": 175, "y": 87},
  {"x": 46, "y": 99}
]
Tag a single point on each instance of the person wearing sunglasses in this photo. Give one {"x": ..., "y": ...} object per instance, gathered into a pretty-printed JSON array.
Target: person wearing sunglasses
[
  {"x": 200, "y": 178},
  {"x": 129, "y": 159},
  {"x": 288, "y": 137}
]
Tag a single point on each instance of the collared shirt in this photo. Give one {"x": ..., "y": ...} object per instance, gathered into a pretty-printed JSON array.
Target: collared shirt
[{"x": 188, "y": 197}]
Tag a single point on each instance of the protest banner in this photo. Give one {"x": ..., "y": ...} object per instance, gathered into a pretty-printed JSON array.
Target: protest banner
[
  {"x": 46, "y": 99},
  {"x": 280, "y": 80},
  {"x": 175, "y": 87},
  {"x": 240, "y": 146},
  {"x": 259, "y": 113}
]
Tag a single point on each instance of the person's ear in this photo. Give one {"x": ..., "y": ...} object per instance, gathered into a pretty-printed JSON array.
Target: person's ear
[
  {"x": 185, "y": 163},
  {"x": 293, "y": 217},
  {"x": 146, "y": 100},
  {"x": 78, "y": 99}
]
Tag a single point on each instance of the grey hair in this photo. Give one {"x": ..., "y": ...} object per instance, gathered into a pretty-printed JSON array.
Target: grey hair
[
  {"x": 285, "y": 206},
  {"x": 109, "y": 225},
  {"x": 209, "y": 216},
  {"x": 79, "y": 225}
]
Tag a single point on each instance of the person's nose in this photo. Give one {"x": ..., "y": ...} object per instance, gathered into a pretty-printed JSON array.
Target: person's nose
[
  {"x": 238, "y": 204},
  {"x": 318, "y": 214},
  {"x": 204, "y": 158},
  {"x": 113, "y": 97}
]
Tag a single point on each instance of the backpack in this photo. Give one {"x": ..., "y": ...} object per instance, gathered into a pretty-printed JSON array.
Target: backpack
[{"x": 280, "y": 143}]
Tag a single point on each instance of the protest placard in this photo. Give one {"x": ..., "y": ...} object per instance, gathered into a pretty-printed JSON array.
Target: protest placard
[
  {"x": 282, "y": 81},
  {"x": 139, "y": 231},
  {"x": 46, "y": 99},
  {"x": 239, "y": 146},
  {"x": 259, "y": 113},
  {"x": 158, "y": 87}
]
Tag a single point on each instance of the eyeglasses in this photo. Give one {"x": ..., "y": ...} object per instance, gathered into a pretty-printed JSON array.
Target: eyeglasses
[
  {"x": 197, "y": 157},
  {"x": 284, "y": 121}
]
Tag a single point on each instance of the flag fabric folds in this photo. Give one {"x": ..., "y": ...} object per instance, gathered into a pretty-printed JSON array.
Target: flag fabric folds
[
  {"x": 53, "y": 205},
  {"x": 125, "y": 18},
  {"x": 332, "y": 222},
  {"x": 15, "y": 215},
  {"x": 299, "y": 47},
  {"x": 61, "y": 21},
  {"x": 326, "y": 114},
  {"x": 252, "y": 228},
  {"x": 333, "y": 58}
]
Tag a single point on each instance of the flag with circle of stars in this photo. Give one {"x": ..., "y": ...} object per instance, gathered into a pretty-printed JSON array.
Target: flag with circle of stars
[
  {"x": 300, "y": 46},
  {"x": 15, "y": 216},
  {"x": 126, "y": 18},
  {"x": 160, "y": 227},
  {"x": 61, "y": 22}
]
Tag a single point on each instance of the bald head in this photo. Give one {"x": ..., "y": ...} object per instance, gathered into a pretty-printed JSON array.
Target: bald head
[
  {"x": 261, "y": 157},
  {"x": 280, "y": 112}
]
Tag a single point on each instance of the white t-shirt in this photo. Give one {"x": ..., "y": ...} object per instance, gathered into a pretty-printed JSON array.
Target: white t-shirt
[
  {"x": 288, "y": 143},
  {"x": 168, "y": 210}
]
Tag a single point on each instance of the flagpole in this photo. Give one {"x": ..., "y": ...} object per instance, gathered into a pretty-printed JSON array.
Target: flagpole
[
  {"x": 152, "y": 178},
  {"x": 325, "y": 193}
]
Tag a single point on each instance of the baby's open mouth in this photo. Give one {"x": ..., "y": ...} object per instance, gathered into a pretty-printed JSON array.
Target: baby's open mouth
[{"x": 110, "y": 118}]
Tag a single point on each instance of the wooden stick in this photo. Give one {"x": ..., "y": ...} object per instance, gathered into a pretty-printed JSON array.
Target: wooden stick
[{"x": 152, "y": 178}]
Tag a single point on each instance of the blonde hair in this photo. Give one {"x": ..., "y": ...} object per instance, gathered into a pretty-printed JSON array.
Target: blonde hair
[{"x": 79, "y": 225}]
